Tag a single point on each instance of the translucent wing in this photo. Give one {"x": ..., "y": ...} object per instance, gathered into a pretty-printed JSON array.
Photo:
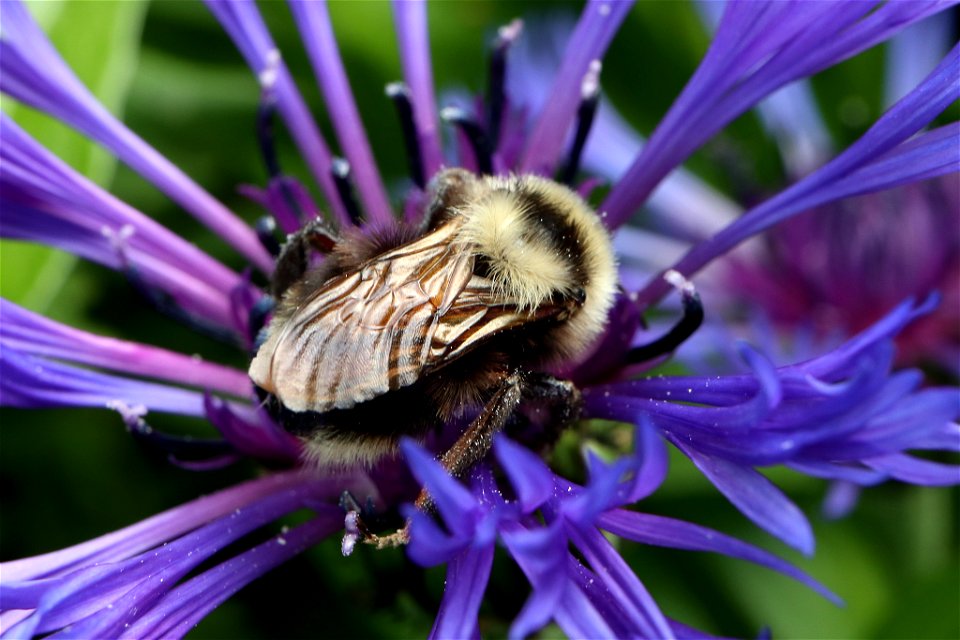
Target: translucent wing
[{"x": 383, "y": 327}]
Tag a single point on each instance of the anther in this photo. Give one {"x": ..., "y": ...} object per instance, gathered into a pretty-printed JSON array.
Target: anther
[
  {"x": 477, "y": 137},
  {"x": 688, "y": 324},
  {"x": 340, "y": 169},
  {"x": 180, "y": 448},
  {"x": 266, "y": 111},
  {"x": 590, "y": 98},
  {"x": 266, "y": 228},
  {"x": 400, "y": 95},
  {"x": 496, "y": 95},
  {"x": 266, "y": 138}
]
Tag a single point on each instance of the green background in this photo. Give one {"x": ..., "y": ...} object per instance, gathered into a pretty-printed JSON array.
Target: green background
[{"x": 173, "y": 75}]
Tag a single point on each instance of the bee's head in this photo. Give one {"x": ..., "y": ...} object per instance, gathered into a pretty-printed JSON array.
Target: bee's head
[{"x": 540, "y": 243}]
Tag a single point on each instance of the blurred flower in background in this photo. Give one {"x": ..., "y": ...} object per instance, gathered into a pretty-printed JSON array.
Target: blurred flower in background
[{"x": 840, "y": 412}]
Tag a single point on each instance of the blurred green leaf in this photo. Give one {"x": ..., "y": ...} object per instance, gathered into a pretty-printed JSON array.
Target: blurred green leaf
[{"x": 104, "y": 57}]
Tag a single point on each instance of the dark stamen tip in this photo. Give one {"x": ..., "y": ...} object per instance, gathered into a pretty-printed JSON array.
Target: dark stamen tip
[
  {"x": 496, "y": 82},
  {"x": 183, "y": 448},
  {"x": 586, "y": 113},
  {"x": 692, "y": 319},
  {"x": 340, "y": 169},
  {"x": 266, "y": 228},
  {"x": 477, "y": 137},
  {"x": 400, "y": 95}
]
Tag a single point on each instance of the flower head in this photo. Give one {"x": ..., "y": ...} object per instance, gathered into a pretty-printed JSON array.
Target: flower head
[{"x": 843, "y": 415}]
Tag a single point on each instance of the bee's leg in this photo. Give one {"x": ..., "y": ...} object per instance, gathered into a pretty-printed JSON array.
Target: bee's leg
[
  {"x": 469, "y": 449},
  {"x": 685, "y": 327},
  {"x": 559, "y": 399},
  {"x": 294, "y": 258}
]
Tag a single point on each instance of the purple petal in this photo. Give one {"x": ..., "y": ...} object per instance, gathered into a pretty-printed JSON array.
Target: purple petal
[
  {"x": 31, "y": 382},
  {"x": 32, "y": 71},
  {"x": 454, "y": 502},
  {"x": 758, "y": 48},
  {"x": 676, "y": 534},
  {"x": 916, "y": 471},
  {"x": 429, "y": 544},
  {"x": 313, "y": 20},
  {"x": 530, "y": 477},
  {"x": 651, "y": 462},
  {"x": 30, "y": 333},
  {"x": 593, "y": 34},
  {"x": 840, "y": 500},
  {"x": 578, "y": 617},
  {"x": 242, "y": 21},
  {"x": 182, "y": 608},
  {"x": 413, "y": 40},
  {"x": 133, "y": 584},
  {"x": 757, "y": 498},
  {"x": 623, "y": 586},
  {"x": 843, "y": 473},
  {"x": 792, "y": 116},
  {"x": 275, "y": 200},
  {"x": 251, "y": 431},
  {"x": 151, "y": 532},
  {"x": 913, "y": 53},
  {"x": 902, "y": 121},
  {"x": 541, "y": 554},
  {"x": 45, "y": 200},
  {"x": 467, "y": 576}
]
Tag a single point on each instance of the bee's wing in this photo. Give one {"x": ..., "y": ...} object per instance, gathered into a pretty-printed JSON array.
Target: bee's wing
[{"x": 382, "y": 327}]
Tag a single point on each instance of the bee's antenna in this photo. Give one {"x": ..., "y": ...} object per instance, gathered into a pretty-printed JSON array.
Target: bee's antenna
[
  {"x": 479, "y": 141},
  {"x": 341, "y": 177},
  {"x": 400, "y": 95},
  {"x": 590, "y": 98},
  {"x": 688, "y": 324},
  {"x": 496, "y": 95}
]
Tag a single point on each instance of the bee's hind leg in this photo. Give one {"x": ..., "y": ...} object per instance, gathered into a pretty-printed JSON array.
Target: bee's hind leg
[
  {"x": 469, "y": 449},
  {"x": 552, "y": 405}
]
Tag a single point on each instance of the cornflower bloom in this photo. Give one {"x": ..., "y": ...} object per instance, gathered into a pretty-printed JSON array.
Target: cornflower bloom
[{"x": 843, "y": 415}]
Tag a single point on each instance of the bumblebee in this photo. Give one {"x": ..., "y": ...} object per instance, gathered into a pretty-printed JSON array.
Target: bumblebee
[{"x": 400, "y": 330}]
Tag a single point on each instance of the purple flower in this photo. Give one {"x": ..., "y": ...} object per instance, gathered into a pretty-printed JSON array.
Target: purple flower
[{"x": 843, "y": 415}]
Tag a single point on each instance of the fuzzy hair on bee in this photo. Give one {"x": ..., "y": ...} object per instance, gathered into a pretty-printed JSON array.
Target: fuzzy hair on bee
[{"x": 400, "y": 329}]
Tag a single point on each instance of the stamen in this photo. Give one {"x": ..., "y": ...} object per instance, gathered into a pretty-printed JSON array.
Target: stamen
[
  {"x": 688, "y": 324},
  {"x": 400, "y": 94},
  {"x": 266, "y": 138},
  {"x": 341, "y": 177},
  {"x": 266, "y": 228},
  {"x": 496, "y": 96},
  {"x": 475, "y": 134},
  {"x": 266, "y": 111},
  {"x": 168, "y": 305},
  {"x": 257, "y": 320},
  {"x": 178, "y": 448},
  {"x": 590, "y": 98}
]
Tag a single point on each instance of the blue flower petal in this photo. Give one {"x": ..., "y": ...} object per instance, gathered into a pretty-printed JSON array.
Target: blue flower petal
[
  {"x": 454, "y": 502},
  {"x": 531, "y": 478},
  {"x": 677, "y": 534},
  {"x": 757, "y": 498},
  {"x": 467, "y": 576}
]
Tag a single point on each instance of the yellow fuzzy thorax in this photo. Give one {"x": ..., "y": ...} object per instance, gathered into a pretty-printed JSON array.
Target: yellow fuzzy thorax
[{"x": 524, "y": 268}]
